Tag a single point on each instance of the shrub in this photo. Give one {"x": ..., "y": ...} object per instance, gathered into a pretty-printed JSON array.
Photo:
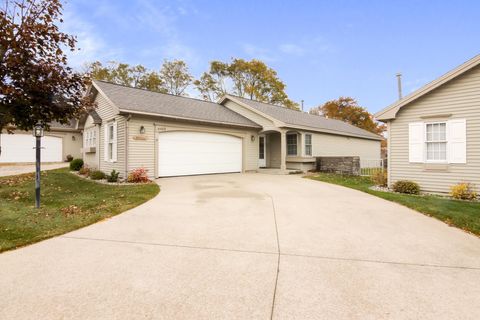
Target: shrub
[
  {"x": 379, "y": 178},
  {"x": 84, "y": 171},
  {"x": 69, "y": 158},
  {"x": 113, "y": 176},
  {"x": 463, "y": 191},
  {"x": 138, "y": 175},
  {"x": 97, "y": 175},
  {"x": 405, "y": 186},
  {"x": 76, "y": 164}
]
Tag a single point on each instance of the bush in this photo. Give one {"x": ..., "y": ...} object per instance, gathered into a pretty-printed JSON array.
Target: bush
[
  {"x": 405, "y": 186},
  {"x": 76, "y": 164},
  {"x": 113, "y": 176},
  {"x": 379, "y": 178},
  {"x": 97, "y": 175},
  {"x": 463, "y": 191},
  {"x": 69, "y": 158},
  {"x": 84, "y": 171},
  {"x": 138, "y": 175}
]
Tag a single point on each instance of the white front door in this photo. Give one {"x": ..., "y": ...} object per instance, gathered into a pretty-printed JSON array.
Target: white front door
[
  {"x": 262, "y": 148},
  {"x": 183, "y": 153}
]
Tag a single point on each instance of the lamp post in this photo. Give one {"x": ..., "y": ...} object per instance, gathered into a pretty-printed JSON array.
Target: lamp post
[{"x": 38, "y": 134}]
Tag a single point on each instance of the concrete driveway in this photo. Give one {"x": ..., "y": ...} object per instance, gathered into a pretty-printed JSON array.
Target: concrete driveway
[
  {"x": 14, "y": 169},
  {"x": 208, "y": 248}
]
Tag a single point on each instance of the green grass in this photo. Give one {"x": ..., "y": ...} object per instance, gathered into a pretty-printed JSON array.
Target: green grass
[
  {"x": 461, "y": 214},
  {"x": 67, "y": 203}
]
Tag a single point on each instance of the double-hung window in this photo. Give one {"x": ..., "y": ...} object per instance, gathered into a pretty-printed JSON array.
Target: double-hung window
[
  {"x": 111, "y": 141},
  {"x": 292, "y": 144},
  {"x": 308, "y": 144},
  {"x": 436, "y": 141}
]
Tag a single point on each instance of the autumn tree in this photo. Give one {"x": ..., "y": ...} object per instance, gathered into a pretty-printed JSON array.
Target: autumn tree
[
  {"x": 348, "y": 110},
  {"x": 175, "y": 77},
  {"x": 35, "y": 81},
  {"x": 249, "y": 79}
]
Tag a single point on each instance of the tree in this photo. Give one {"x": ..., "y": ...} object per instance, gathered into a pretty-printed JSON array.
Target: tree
[
  {"x": 35, "y": 81},
  {"x": 348, "y": 110},
  {"x": 249, "y": 79},
  {"x": 175, "y": 77}
]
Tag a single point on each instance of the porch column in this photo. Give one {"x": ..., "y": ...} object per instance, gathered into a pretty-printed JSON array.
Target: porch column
[{"x": 283, "y": 150}]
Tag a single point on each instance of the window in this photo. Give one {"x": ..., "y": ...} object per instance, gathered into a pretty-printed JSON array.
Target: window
[
  {"x": 292, "y": 144},
  {"x": 111, "y": 142},
  {"x": 90, "y": 138},
  {"x": 308, "y": 144},
  {"x": 436, "y": 141}
]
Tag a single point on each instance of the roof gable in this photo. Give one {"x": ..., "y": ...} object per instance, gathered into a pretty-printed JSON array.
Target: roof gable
[{"x": 391, "y": 111}]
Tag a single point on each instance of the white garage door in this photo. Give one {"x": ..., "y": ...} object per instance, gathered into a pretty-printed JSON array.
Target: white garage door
[
  {"x": 20, "y": 148},
  {"x": 187, "y": 153}
]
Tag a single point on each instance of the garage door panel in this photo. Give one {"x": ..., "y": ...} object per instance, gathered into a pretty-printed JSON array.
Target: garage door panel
[
  {"x": 188, "y": 153},
  {"x": 17, "y": 148}
]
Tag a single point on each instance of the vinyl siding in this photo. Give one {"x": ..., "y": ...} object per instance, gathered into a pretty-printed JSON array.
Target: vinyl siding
[
  {"x": 142, "y": 148},
  {"x": 253, "y": 116},
  {"x": 459, "y": 98},
  {"x": 108, "y": 113},
  {"x": 333, "y": 145}
]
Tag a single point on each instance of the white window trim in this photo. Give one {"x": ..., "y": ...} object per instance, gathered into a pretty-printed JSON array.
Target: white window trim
[
  {"x": 296, "y": 144},
  {"x": 425, "y": 141},
  {"x": 305, "y": 144},
  {"x": 113, "y": 141}
]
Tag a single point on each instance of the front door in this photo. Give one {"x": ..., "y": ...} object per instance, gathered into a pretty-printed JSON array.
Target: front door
[{"x": 262, "y": 162}]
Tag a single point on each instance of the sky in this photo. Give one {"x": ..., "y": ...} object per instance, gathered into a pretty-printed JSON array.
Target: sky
[{"x": 320, "y": 49}]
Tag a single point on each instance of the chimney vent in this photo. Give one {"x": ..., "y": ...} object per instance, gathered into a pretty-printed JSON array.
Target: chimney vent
[{"x": 399, "y": 84}]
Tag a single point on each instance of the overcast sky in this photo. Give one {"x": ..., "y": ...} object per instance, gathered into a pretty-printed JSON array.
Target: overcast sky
[{"x": 320, "y": 49}]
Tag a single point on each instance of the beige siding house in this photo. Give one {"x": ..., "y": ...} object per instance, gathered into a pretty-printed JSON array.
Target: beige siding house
[
  {"x": 434, "y": 133},
  {"x": 172, "y": 136},
  {"x": 60, "y": 141}
]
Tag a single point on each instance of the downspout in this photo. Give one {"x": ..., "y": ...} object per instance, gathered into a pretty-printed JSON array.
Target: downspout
[{"x": 126, "y": 144}]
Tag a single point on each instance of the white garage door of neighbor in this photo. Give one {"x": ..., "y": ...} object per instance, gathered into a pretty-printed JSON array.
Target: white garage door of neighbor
[
  {"x": 183, "y": 153},
  {"x": 20, "y": 148}
]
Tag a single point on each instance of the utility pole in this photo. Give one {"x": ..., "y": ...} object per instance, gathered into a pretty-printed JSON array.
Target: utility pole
[{"x": 399, "y": 84}]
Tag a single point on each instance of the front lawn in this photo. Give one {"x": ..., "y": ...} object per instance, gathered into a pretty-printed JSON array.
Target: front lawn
[
  {"x": 67, "y": 203},
  {"x": 461, "y": 214}
]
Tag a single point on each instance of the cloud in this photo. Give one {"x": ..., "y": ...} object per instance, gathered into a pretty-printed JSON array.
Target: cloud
[
  {"x": 292, "y": 49},
  {"x": 90, "y": 46},
  {"x": 255, "y": 52}
]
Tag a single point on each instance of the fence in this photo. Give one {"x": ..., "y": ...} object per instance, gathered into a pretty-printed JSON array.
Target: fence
[{"x": 368, "y": 167}]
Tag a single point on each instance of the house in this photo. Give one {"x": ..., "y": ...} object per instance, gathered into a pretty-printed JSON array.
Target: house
[
  {"x": 59, "y": 142},
  {"x": 434, "y": 133},
  {"x": 172, "y": 136}
]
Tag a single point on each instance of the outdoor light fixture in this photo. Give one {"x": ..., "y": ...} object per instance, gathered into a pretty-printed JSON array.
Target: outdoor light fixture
[
  {"x": 252, "y": 137},
  {"x": 142, "y": 130},
  {"x": 38, "y": 134},
  {"x": 38, "y": 130}
]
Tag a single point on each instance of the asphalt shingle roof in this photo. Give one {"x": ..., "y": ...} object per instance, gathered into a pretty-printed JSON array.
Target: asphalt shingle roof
[
  {"x": 133, "y": 99},
  {"x": 298, "y": 118}
]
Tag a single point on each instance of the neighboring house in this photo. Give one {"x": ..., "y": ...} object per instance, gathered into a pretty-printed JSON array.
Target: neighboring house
[
  {"x": 172, "y": 136},
  {"x": 434, "y": 133},
  {"x": 60, "y": 141}
]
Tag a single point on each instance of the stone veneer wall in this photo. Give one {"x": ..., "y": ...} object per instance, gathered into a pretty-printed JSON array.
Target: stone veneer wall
[{"x": 343, "y": 165}]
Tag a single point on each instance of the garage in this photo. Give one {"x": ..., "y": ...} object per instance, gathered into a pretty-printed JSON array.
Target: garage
[
  {"x": 183, "y": 153},
  {"x": 17, "y": 148}
]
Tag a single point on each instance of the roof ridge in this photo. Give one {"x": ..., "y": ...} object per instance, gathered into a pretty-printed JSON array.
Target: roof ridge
[{"x": 161, "y": 93}]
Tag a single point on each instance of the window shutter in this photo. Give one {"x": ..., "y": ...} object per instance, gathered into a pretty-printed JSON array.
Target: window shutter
[
  {"x": 105, "y": 142},
  {"x": 457, "y": 141},
  {"x": 114, "y": 151},
  {"x": 415, "y": 142}
]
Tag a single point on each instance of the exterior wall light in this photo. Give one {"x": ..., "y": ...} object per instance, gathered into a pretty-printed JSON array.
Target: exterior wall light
[
  {"x": 252, "y": 137},
  {"x": 142, "y": 130}
]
